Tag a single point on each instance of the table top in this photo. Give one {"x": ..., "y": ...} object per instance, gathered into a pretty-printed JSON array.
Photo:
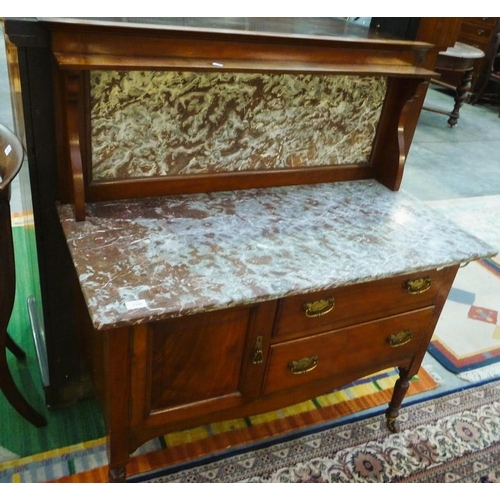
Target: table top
[
  {"x": 155, "y": 258},
  {"x": 462, "y": 51}
]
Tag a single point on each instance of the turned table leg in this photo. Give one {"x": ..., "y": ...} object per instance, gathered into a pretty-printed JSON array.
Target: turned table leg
[
  {"x": 400, "y": 390},
  {"x": 462, "y": 93}
]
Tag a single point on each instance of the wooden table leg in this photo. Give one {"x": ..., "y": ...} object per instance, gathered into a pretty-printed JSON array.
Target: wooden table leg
[
  {"x": 462, "y": 93},
  {"x": 400, "y": 390},
  {"x": 117, "y": 414}
]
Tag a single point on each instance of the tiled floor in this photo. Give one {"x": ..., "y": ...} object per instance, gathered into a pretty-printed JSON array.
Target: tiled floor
[{"x": 459, "y": 162}]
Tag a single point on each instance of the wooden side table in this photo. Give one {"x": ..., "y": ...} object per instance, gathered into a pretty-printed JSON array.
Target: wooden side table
[{"x": 460, "y": 58}]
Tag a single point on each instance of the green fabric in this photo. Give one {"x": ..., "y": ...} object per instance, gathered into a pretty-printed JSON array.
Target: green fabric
[{"x": 72, "y": 425}]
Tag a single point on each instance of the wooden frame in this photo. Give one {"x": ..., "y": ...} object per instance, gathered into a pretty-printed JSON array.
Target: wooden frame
[{"x": 81, "y": 48}]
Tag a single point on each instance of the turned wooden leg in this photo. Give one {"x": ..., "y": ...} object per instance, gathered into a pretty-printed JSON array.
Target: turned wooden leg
[
  {"x": 461, "y": 96},
  {"x": 398, "y": 394}
]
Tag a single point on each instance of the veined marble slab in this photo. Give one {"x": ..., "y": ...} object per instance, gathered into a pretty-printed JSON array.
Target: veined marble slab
[
  {"x": 149, "y": 259},
  {"x": 164, "y": 123}
]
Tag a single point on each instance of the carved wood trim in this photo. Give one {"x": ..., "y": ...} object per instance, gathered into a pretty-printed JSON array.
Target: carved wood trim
[
  {"x": 396, "y": 130},
  {"x": 402, "y": 122},
  {"x": 72, "y": 84}
]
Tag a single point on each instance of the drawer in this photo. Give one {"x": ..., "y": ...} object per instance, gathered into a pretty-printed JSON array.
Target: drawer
[
  {"x": 317, "y": 312},
  {"x": 476, "y": 30},
  {"x": 481, "y": 21},
  {"x": 359, "y": 349}
]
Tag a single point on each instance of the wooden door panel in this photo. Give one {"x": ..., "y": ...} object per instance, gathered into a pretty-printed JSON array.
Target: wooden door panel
[{"x": 197, "y": 359}]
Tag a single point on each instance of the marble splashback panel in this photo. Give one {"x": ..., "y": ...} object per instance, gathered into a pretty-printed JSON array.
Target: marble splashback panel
[{"x": 166, "y": 123}]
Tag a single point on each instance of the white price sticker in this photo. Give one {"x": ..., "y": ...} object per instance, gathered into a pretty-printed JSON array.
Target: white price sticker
[{"x": 135, "y": 304}]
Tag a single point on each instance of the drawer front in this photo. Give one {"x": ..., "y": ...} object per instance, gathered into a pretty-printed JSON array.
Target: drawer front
[
  {"x": 477, "y": 42},
  {"x": 483, "y": 32},
  {"x": 480, "y": 21},
  {"x": 317, "y": 312},
  {"x": 363, "y": 348}
]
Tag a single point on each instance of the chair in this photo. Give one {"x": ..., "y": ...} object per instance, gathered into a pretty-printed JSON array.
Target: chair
[
  {"x": 493, "y": 75},
  {"x": 11, "y": 158}
]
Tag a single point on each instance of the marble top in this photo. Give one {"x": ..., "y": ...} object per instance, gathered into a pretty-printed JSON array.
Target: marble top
[{"x": 154, "y": 258}]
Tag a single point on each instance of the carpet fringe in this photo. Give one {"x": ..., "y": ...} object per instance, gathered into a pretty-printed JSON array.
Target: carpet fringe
[{"x": 481, "y": 374}]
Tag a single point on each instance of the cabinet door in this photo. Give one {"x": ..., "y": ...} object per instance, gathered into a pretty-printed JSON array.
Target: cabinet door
[{"x": 203, "y": 363}]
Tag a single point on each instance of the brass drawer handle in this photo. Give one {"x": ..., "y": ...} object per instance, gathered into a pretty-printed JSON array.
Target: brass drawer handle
[
  {"x": 304, "y": 365},
  {"x": 416, "y": 286},
  {"x": 400, "y": 338},
  {"x": 258, "y": 355},
  {"x": 318, "y": 308}
]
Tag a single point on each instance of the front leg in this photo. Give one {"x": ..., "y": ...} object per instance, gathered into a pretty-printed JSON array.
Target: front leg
[
  {"x": 399, "y": 392},
  {"x": 117, "y": 475}
]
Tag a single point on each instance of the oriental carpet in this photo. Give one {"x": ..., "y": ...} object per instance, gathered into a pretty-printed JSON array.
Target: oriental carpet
[
  {"x": 453, "y": 438},
  {"x": 86, "y": 461},
  {"x": 466, "y": 340}
]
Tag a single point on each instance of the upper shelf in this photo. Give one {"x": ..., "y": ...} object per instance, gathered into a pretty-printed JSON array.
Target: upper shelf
[
  {"x": 313, "y": 45},
  {"x": 289, "y": 27}
]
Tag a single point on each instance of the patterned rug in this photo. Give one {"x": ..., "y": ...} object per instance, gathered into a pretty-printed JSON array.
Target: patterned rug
[
  {"x": 455, "y": 438},
  {"x": 467, "y": 337},
  {"x": 86, "y": 462}
]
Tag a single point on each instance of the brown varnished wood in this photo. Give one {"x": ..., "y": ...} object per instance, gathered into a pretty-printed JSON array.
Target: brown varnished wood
[
  {"x": 72, "y": 86},
  {"x": 250, "y": 66},
  {"x": 198, "y": 362},
  {"x": 163, "y": 376},
  {"x": 161, "y": 186},
  {"x": 83, "y": 46},
  {"x": 440, "y": 300},
  {"x": 80, "y": 47},
  {"x": 382, "y": 297},
  {"x": 117, "y": 359},
  {"x": 255, "y": 406},
  {"x": 258, "y": 337},
  {"x": 407, "y": 372},
  {"x": 391, "y": 146},
  {"x": 351, "y": 349},
  {"x": 345, "y": 352}
]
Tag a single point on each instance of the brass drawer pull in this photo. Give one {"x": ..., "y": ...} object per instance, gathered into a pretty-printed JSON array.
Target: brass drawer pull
[
  {"x": 304, "y": 365},
  {"x": 400, "y": 338},
  {"x": 258, "y": 355},
  {"x": 318, "y": 308},
  {"x": 416, "y": 286}
]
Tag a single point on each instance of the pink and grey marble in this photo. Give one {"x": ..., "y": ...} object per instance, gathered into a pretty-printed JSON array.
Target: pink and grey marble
[
  {"x": 191, "y": 253},
  {"x": 164, "y": 123}
]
